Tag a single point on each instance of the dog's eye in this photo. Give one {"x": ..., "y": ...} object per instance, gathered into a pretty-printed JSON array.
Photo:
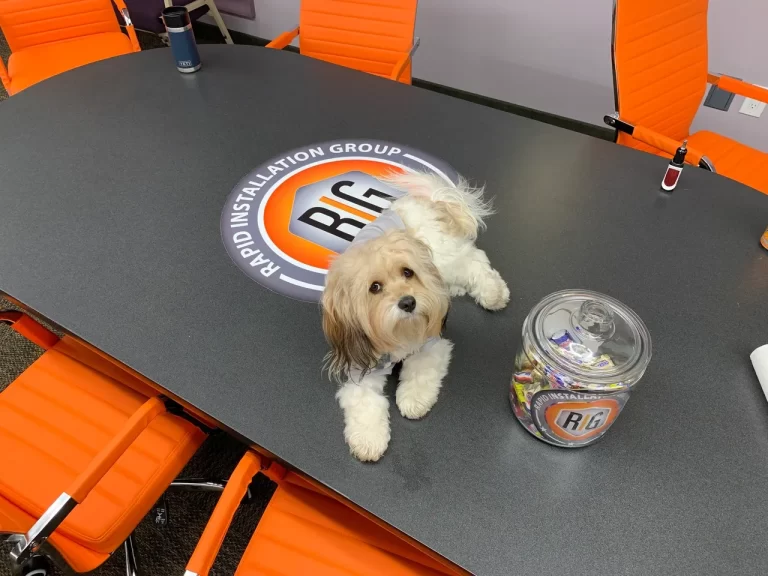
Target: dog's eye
[
  {"x": 407, "y": 272},
  {"x": 375, "y": 288}
]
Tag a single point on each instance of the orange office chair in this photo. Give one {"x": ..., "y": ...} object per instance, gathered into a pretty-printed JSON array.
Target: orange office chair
[
  {"x": 48, "y": 37},
  {"x": 374, "y": 37},
  {"x": 309, "y": 530},
  {"x": 660, "y": 76},
  {"x": 83, "y": 458}
]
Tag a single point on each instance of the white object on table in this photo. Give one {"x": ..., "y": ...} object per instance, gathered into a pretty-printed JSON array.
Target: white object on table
[
  {"x": 760, "y": 362},
  {"x": 214, "y": 14}
]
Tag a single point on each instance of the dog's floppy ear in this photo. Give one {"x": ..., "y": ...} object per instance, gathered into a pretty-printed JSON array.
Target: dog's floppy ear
[{"x": 350, "y": 347}]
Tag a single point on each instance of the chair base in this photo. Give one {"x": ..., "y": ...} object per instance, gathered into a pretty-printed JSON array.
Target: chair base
[
  {"x": 40, "y": 564},
  {"x": 35, "y": 566}
]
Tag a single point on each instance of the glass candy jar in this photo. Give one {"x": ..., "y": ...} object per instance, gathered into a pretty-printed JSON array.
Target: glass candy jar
[{"x": 582, "y": 352}]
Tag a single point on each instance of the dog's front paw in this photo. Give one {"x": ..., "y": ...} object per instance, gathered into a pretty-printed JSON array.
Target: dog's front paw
[
  {"x": 367, "y": 442},
  {"x": 415, "y": 398},
  {"x": 421, "y": 378},
  {"x": 457, "y": 291},
  {"x": 493, "y": 293},
  {"x": 366, "y": 419}
]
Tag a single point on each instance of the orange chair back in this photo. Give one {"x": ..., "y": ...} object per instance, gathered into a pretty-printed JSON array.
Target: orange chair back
[
  {"x": 660, "y": 65},
  {"x": 28, "y": 23},
  {"x": 369, "y": 36},
  {"x": 308, "y": 530}
]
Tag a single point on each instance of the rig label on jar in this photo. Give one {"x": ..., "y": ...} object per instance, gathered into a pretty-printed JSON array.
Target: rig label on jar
[{"x": 575, "y": 418}]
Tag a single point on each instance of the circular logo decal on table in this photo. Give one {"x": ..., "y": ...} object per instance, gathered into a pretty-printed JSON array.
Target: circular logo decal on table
[{"x": 286, "y": 218}]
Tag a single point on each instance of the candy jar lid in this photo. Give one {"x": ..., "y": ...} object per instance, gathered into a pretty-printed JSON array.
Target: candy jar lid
[{"x": 594, "y": 341}]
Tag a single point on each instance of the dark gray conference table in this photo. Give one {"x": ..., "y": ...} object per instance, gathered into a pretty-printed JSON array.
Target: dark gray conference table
[{"x": 112, "y": 180}]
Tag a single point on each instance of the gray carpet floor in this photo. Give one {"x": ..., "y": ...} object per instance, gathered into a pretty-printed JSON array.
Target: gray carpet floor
[{"x": 160, "y": 551}]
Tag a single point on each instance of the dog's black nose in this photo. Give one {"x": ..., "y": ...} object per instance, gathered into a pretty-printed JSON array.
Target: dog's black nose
[{"x": 407, "y": 303}]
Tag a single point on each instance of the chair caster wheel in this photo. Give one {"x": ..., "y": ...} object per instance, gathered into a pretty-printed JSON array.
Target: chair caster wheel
[{"x": 36, "y": 566}]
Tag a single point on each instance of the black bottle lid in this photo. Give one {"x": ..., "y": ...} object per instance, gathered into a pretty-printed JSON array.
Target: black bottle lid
[
  {"x": 176, "y": 17},
  {"x": 680, "y": 153}
]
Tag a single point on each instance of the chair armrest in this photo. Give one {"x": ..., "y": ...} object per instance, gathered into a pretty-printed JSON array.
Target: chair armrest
[
  {"x": 739, "y": 87},
  {"x": 210, "y": 542},
  {"x": 112, "y": 452},
  {"x": 665, "y": 144},
  {"x": 658, "y": 141},
  {"x": 87, "y": 480},
  {"x": 403, "y": 62},
  {"x": 284, "y": 39},
  {"x": 29, "y": 328},
  {"x": 123, "y": 9}
]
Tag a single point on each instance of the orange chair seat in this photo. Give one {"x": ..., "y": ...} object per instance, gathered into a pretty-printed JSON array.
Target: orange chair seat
[
  {"x": 54, "y": 419},
  {"x": 733, "y": 159},
  {"x": 303, "y": 531},
  {"x": 39, "y": 62}
]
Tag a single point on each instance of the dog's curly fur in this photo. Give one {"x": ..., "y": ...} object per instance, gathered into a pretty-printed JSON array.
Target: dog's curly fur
[{"x": 433, "y": 258}]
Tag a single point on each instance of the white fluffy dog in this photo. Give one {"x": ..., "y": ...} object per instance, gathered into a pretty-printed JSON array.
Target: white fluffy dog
[{"x": 387, "y": 296}]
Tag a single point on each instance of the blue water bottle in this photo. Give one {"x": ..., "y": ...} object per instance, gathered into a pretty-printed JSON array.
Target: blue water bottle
[{"x": 182, "y": 39}]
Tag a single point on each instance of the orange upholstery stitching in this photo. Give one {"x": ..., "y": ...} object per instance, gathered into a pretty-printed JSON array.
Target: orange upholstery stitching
[
  {"x": 17, "y": 24},
  {"x": 115, "y": 448},
  {"x": 48, "y": 37},
  {"x": 148, "y": 487},
  {"x": 373, "y": 37},
  {"x": 125, "y": 509},
  {"x": 660, "y": 64}
]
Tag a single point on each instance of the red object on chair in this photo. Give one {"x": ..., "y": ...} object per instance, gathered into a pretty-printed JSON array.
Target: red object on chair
[{"x": 48, "y": 37}]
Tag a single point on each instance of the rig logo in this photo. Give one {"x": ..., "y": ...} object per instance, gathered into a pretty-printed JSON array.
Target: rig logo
[
  {"x": 570, "y": 418},
  {"x": 286, "y": 218},
  {"x": 581, "y": 420}
]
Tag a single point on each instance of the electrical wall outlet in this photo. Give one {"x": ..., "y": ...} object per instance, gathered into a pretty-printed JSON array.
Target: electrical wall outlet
[{"x": 752, "y": 107}]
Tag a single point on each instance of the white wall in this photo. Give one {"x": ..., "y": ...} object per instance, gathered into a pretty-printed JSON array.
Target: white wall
[
  {"x": 738, "y": 46},
  {"x": 554, "y": 55}
]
